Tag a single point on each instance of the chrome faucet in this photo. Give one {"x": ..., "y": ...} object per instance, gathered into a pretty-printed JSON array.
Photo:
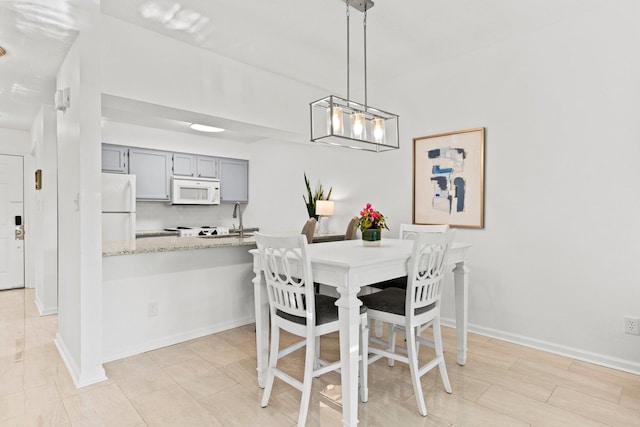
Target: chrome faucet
[{"x": 237, "y": 213}]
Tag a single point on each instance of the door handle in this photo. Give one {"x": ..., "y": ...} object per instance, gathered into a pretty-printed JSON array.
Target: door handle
[{"x": 19, "y": 233}]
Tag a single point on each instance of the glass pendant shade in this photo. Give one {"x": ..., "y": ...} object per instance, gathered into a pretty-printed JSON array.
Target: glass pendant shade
[
  {"x": 357, "y": 126},
  {"x": 338, "y": 121},
  {"x": 378, "y": 130}
]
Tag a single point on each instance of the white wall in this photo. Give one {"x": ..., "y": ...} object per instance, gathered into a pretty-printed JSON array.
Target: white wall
[
  {"x": 559, "y": 106},
  {"x": 45, "y": 247},
  {"x": 198, "y": 292},
  {"x": 136, "y": 65},
  {"x": 79, "y": 337},
  {"x": 553, "y": 267}
]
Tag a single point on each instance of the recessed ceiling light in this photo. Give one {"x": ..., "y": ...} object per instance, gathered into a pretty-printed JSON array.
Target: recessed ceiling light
[
  {"x": 205, "y": 128},
  {"x": 2, "y": 51}
]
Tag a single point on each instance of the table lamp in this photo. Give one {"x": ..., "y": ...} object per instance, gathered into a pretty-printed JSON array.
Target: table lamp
[{"x": 324, "y": 209}]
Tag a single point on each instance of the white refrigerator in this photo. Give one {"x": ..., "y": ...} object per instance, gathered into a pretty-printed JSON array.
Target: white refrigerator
[{"x": 118, "y": 208}]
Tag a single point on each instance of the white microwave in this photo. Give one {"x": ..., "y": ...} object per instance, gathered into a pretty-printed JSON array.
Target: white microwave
[{"x": 195, "y": 191}]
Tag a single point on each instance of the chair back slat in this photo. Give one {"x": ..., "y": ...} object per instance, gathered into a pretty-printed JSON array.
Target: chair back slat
[
  {"x": 411, "y": 231},
  {"x": 287, "y": 272},
  {"x": 427, "y": 269}
]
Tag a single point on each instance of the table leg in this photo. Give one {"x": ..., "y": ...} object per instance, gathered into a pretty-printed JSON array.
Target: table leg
[
  {"x": 461, "y": 284},
  {"x": 349, "y": 315},
  {"x": 262, "y": 324}
]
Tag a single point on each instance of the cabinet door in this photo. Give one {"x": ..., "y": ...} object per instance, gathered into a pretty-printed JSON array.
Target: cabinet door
[
  {"x": 184, "y": 164},
  {"x": 114, "y": 158},
  {"x": 234, "y": 180},
  {"x": 152, "y": 169},
  {"x": 207, "y": 167}
]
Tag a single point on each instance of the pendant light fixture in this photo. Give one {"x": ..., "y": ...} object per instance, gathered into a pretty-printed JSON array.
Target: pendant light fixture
[{"x": 343, "y": 122}]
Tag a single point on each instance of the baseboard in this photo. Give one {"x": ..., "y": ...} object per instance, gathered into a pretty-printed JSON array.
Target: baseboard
[
  {"x": 45, "y": 311},
  {"x": 175, "y": 339},
  {"x": 79, "y": 379},
  {"x": 574, "y": 353}
]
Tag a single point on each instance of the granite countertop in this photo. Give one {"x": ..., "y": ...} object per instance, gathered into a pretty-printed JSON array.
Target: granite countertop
[{"x": 172, "y": 243}]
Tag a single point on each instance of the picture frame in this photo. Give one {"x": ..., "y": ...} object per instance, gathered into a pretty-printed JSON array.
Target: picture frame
[{"x": 448, "y": 178}]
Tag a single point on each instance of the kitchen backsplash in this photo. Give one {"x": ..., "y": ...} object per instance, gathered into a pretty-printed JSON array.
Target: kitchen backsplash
[{"x": 158, "y": 215}]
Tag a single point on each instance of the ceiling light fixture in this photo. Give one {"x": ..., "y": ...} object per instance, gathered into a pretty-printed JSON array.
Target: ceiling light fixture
[
  {"x": 2, "y": 51},
  {"x": 340, "y": 121},
  {"x": 205, "y": 128}
]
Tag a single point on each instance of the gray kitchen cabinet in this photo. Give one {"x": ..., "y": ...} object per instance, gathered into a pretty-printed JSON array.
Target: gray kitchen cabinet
[
  {"x": 114, "y": 158},
  {"x": 207, "y": 167},
  {"x": 234, "y": 180},
  {"x": 184, "y": 164},
  {"x": 152, "y": 169}
]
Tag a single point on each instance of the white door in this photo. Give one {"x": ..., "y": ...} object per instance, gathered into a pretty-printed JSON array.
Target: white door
[{"x": 11, "y": 223}]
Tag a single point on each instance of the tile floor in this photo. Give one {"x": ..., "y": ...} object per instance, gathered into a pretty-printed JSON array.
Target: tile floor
[{"x": 211, "y": 381}]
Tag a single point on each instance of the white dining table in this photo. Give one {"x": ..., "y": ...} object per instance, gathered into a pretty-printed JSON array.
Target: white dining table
[{"x": 348, "y": 266}]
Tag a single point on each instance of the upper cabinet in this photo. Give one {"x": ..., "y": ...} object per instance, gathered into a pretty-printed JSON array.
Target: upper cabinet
[
  {"x": 207, "y": 167},
  {"x": 114, "y": 158},
  {"x": 193, "y": 165},
  {"x": 184, "y": 164},
  {"x": 152, "y": 169},
  {"x": 234, "y": 180}
]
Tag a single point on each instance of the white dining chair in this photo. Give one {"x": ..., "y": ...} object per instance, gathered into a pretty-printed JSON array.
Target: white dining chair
[
  {"x": 413, "y": 309},
  {"x": 407, "y": 231},
  {"x": 297, "y": 309}
]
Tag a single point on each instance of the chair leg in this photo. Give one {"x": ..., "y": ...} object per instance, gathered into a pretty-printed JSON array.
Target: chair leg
[
  {"x": 273, "y": 362},
  {"x": 413, "y": 366},
  {"x": 316, "y": 359},
  {"x": 437, "y": 340},
  {"x": 364, "y": 358},
  {"x": 378, "y": 324},
  {"x": 309, "y": 361},
  {"x": 392, "y": 341}
]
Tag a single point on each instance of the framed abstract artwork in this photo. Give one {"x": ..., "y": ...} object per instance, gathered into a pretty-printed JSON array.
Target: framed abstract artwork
[{"x": 448, "y": 178}]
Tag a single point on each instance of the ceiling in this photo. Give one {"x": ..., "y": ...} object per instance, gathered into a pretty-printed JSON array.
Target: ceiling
[{"x": 301, "y": 39}]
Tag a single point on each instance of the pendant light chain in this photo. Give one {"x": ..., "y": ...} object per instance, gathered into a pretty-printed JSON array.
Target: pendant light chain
[
  {"x": 348, "y": 97},
  {"x": 364, "y": 25}
]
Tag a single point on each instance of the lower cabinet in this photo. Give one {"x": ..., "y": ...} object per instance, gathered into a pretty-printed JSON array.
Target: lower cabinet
[
  {"x": 234, "y": 180},
  {"x": 152, "y": 169}
]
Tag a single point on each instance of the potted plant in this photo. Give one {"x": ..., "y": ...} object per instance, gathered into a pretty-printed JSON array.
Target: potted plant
[
  {"x": 371, "y": 222},
  {"x": 312, "y": 197}
]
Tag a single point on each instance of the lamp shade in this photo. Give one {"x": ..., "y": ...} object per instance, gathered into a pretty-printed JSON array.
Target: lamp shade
[{"x": 324, "y": 207}]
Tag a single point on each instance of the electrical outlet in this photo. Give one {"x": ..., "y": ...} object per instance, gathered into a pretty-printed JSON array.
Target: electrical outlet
[
  {"x": 631, "y": 325},
  {"x": 152, "y": 309}
]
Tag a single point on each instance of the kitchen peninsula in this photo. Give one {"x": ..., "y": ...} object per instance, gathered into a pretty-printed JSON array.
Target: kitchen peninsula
[{"x": 171, "y": 289}]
